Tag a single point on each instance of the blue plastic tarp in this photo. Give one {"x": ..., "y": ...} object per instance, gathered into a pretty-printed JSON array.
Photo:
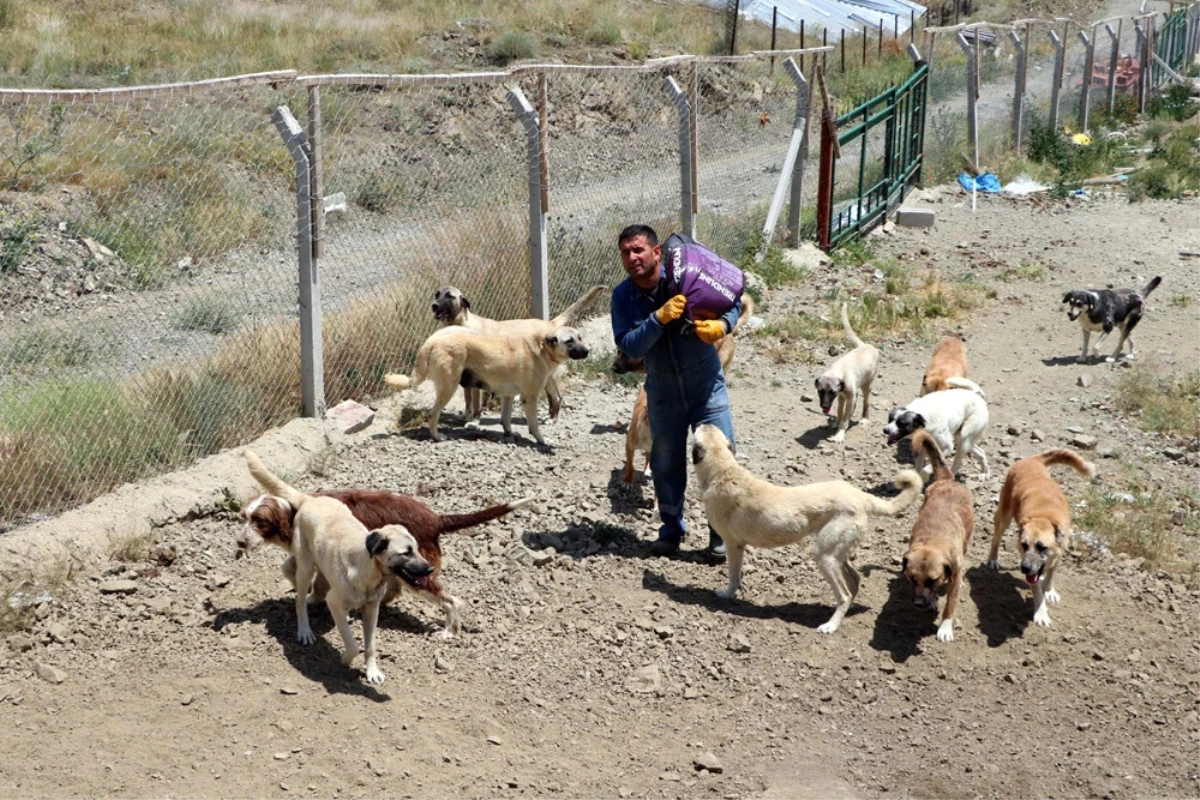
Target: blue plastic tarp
[{"x": 987, "y": 182}]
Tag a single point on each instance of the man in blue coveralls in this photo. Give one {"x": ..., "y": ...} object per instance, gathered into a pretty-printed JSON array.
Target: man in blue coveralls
[{"x": 684, "y": 382}]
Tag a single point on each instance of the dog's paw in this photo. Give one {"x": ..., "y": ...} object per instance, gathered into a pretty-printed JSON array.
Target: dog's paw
[
  {"x": 838, "y": 437},
  {"x": 1081, "y": 360},
  {"x": 304, "y": 635},
  {"x": 829, "y": 627},
  {"x": 438, "y": 437},
  {"x": 349, "y": 656},
  {"x": 443, "y": 634},
  {"x": 1042, "y": 617},
  {"x": 992, "y": 563},
  {"x": 1052, "y": 596},
  {"x": 945, "y": 631},
  {"x": 374, "y": 675},
  {"x": 726, "y": 594}
]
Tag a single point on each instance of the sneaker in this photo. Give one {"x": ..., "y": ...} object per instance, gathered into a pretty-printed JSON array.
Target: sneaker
[{"x": 665, "y": 546}]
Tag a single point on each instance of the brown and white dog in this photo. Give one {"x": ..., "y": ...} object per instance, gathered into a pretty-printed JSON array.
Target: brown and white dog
[
  {"x": 271, "y": 520},
  {"x": 940, "y": 536},
  {"x": 451, "y": 307},
  {"x": 948, "y": 368},
  {"x": 1032, "y": 498},
  {"x": 357, "y": 563}
]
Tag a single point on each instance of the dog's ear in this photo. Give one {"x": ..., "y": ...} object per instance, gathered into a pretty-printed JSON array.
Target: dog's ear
[
  {"x": 895, "y": 412},
  {"x": 697, "y": 453},
  {"x": 463, "y": 301},
  {"x": 376, "y": 543},
  {"x": 1066, "y": 297},
  {"x": 918, "y": 421},
  {"x": 1059, "y": 536}
]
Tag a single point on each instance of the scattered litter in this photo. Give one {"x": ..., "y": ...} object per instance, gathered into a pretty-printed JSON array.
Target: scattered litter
[
  {"x": 987, "y": 182},
  {"x": 19, "y": 600},
  {"x": 1081, "y": 139},
  {"x": 755, "y": 322},
  {"x": 1024, "y": 185}
]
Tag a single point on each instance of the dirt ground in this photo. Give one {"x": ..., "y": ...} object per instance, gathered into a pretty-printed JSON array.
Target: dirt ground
[{"x": 589, "y": 668}]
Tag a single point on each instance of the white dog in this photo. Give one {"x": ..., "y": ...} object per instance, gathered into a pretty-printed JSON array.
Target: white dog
[
  {"x": 847, "y": 379},
  {"x": 748, "y": 511},
  {"x": 956, "y": 419}
]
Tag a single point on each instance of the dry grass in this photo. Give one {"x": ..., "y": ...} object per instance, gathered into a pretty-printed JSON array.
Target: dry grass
[
  {"x": 22, "y": 592},
  {"x": 1141, "y": 520},
  {"x": 1160, "y": 401}
]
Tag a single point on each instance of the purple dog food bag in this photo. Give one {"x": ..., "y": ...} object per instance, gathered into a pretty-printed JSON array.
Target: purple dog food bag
[{"x": 710, "y": 283}]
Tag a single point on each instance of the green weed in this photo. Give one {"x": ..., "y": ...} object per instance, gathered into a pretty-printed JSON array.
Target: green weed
[
  {"x": 1160, "y": 401},
  {"x": 512, "y": 46},
  {"x": 214, "y": 315}
]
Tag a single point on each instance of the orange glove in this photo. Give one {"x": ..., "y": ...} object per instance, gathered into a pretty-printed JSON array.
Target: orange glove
[
  {"x": 671, "y": 310},
  {"x": 710, "y": 331}
]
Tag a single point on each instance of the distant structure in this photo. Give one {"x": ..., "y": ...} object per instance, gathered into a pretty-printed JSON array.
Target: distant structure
[{"x": 834, "y": 16}]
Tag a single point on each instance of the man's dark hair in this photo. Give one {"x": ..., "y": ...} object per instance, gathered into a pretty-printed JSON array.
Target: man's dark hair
[{"x": 638, "y": 230}]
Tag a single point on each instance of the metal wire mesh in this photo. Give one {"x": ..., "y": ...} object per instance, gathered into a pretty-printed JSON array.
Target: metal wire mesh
[
  {"x": 124, "y": 340},
  {"x": 746, "y": 112}
]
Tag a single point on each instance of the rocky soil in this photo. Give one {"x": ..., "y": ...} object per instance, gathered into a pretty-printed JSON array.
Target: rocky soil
[{"x": 589, "y": 668}]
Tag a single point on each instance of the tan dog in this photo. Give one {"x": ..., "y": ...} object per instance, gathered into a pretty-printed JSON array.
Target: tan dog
[
  {"x": 638, "y": 437},
  {"x": 504, "y": 365},
  {"x": 357, "y": 563},
  {"x": 948, "y": 368},
  {"x": 940, "y": 536},
  {"x": 1035, "y": 501},
  {"x": 451, "y": 307},
  {"x": 848, "y": 378},
  {"x": 748, "y": 511}
]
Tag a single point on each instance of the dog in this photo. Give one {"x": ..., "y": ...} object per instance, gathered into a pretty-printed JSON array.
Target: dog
[
  {"x": 939, "y": 538},
  {"x": 452, "y": 308},
  {"x": 1105, "y": 309},
  {"x": 948, "y": 368},
  {"x": 356, "y": 562},
  {"x": 638, "y": 437},
  {"x": 850, "y": 376},
  {"x": 1032, "y": 498},
  {"x": 748, "y": 511},
  {"x": 956, "y": 419},
  {"x": 271, "y": 520},
  {"x": 504, "y": 365}
]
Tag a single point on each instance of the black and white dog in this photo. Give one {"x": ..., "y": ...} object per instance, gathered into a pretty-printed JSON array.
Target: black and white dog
[{"x": 1107, "y": 309}]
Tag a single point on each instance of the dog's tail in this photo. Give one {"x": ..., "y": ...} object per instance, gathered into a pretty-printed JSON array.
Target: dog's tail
[
  {"x": 923, "y": 441},
  {"x": 849, "y": 331},
  {"x": 570, "y": 318},
  {"x": 1151, "y": 286},
  {"x": 747, "y": 309},
  {"x": 1069, "y": 457},
  {"x": 419, "y": 371},
  {"x": 965, "y": 383},
  {"x": 271, "y": 483},
  {"x": 449, "y": 523},
  {"x": 909, "y": 483}
]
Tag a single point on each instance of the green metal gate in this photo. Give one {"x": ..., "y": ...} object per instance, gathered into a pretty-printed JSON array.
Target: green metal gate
[
  {"x": 869, "y": 158},
  {"x": 1171, "y": 46}
]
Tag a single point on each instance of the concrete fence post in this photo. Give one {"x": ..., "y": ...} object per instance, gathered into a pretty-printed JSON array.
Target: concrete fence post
[
  {"x": 1060, "y": 57},
  {"x": 1085, "y": 99},
  {"x": 972, "y": 118},
  {"x": 1114, "y": 57},
  {"x": 539, "y": 283},
  {"x": 312, "y": 362},
  {"x": 1018, "y": 112},
  {"x": 684, "y": 107},
  {"x": 792, "y": 174},
  {"x": 1140, "y": 33}
]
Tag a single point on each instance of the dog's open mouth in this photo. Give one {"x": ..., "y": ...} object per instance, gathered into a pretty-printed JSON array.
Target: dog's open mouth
[
  {"x": 894, "y": 437},
  {"x": 415, "y": 578},
  {"x": 1033, "y": 577},
  {"x": 441, "y": 314}
]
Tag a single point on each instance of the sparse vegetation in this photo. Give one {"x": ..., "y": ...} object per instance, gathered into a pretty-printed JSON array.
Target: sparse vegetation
[
  {"x": 131, "y": 548},
  {"x": 16, "y": 242},
  {"x": 214, "y": 315},
  {"x": 1141, "y": 521},
  {"x": 512, "y": 46},
  {"x": 1160, "y": 401}
]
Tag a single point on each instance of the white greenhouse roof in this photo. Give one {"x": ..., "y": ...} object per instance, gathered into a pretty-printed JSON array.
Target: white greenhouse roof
[{"x": 853, "y": 16}]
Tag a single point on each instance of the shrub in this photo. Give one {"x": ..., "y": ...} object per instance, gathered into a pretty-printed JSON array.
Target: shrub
[
  {"x": 603, "y": 33},
  {"x": 512, "y": 46},
  {"x": 16, "y": 242},
  {"x": 208, "y": 314}
]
